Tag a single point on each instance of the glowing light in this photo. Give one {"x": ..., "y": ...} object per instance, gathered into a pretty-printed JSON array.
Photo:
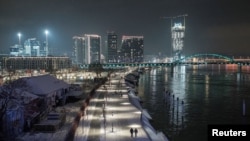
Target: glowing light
[
  {"x": 46, "y": 32},
  {"x": 134, "y": 126},
  {"x": 125, "y": 103},
  {"x": 19, "y": 37}
]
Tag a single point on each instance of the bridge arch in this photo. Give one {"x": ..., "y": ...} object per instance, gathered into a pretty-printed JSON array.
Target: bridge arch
[{"x": 206, "y": 54}]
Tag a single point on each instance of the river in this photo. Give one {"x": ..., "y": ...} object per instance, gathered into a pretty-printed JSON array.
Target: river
[{"x": 207, "y": 94}]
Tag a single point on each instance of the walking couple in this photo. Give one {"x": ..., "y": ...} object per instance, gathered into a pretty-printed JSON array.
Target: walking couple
[{"x": 133, "y": 131}]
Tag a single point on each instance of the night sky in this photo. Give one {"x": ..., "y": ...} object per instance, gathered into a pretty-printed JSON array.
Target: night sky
[{"x": 212, "y": 26}]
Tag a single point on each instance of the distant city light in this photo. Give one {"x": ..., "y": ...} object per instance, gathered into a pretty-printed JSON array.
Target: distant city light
[
  {"x": 46, "y": 48},
  {"x": 46, "y": 32},
  {"x": 178, "y": 26},
  {"x": 19, "y": 38}
]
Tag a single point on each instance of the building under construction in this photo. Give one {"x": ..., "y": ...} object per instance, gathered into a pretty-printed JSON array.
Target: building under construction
[
  {"x": 38, "y": 63},
  {"x": 177, "y": 35}
]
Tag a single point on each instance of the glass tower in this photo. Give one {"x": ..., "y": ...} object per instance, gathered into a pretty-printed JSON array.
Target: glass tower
[
  {"x": 112, "y": 47},
  {"x": 132, "y": 49}
]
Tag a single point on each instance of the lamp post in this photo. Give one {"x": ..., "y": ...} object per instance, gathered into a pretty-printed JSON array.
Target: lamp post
[
  {"x": 46, "y": 48},
  {"x": 19, "y": 38}
]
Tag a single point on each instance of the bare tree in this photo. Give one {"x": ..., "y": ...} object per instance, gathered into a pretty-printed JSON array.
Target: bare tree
[
  {"x": 97, "y": 68},
  {"x": 7, "y": 94}
]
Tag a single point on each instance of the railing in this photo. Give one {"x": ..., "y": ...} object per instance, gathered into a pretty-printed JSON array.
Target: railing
[{"x": 123, "y": 65}]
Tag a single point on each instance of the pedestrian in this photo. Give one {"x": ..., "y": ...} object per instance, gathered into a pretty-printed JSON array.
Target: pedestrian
[
  {"x": 28, "y": 123},
  {"x": 136, "y": 131},
  {"x": 131, "y": 132}
]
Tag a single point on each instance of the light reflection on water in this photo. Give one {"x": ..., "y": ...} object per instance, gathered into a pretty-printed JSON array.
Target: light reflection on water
[{"x": 212, "y": 94}]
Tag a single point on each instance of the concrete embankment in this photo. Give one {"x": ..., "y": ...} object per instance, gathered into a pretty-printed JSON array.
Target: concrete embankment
[{"x": 145, "y": 117}]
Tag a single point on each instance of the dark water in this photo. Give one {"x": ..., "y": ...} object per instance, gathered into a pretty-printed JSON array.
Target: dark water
[{"x": 211, "y": 94}]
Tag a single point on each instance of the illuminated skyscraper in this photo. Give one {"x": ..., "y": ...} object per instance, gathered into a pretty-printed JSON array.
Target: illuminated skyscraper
[
  {"x": 178, "y": 34},
  {"x": 93, "y": 48},
  {"x": 87, "y": 49},
  {"x": 112, "y": 47},
  {"x": 132, "y": 49},
  {"x": 32, "y": 47},
  {"x": 79, "y": 50}
]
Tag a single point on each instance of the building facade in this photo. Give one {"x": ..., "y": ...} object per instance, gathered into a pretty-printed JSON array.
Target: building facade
[
  {"x": 36, "y": 63},
  {"x": 33, "y": 47},
  {"x": 79, "y": 50},
  {"x": 93, "y": 46},
  {"x": 87, "y": 49},
  {"x": 16, "y": 50},
  {"x": 132, "y": 49},
  {"x": 178, "y": 34},
  {"x": 112, "y": 48}
]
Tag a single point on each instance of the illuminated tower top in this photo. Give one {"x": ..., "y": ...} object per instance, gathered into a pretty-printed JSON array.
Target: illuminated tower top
[{"x": 178, "y": 34}]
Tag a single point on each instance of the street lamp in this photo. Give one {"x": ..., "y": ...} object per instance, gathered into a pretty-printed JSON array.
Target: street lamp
[
  {"x": 19, "y": 37},
  {"x": 46, "y": 48}
]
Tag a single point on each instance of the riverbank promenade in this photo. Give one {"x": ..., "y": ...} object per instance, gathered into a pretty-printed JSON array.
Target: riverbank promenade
[{"x": 110, "y": 115}]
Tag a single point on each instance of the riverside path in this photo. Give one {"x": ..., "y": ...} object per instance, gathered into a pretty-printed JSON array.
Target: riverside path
[{"x": 110, "y": 115}]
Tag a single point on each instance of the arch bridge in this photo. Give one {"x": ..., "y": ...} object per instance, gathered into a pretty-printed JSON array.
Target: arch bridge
[{"x": 218, "y": 59}]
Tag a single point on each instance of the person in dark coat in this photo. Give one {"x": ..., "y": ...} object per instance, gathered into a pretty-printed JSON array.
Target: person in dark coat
[
  {"x": 131, "y": 132},
  {"x": 136, "y": 131}
]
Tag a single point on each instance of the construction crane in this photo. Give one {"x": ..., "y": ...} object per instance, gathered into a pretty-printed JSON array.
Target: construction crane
[{"x": 178, "y": 16}]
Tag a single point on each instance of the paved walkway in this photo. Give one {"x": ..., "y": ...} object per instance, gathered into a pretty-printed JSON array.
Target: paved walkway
[{"x": 110, "y": 116}]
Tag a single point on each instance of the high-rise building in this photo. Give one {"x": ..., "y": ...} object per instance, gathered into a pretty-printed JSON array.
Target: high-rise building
[
  {"x": 132, "y": 49},
  {"x": 112, "y": 47},
  {"x": 93, "y": 53},
  {"x": 87, "y": 49},
  {"x": 119, "y": 56},
  {"x": 178, "y": 34},
  {"x": 32, "y": 47},
  {"x": 16, "y": 50},
  {"x": 79, "y": 50}
]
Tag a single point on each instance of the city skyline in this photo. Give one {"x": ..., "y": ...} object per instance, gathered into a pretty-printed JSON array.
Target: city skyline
[{"x": 211, "y": 26}]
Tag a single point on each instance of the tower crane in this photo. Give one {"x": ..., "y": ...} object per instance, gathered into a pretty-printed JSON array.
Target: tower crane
[{"x": 178, "y": 16}]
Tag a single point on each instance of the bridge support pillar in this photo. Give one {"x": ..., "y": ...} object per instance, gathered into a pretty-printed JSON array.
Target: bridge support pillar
[
  {"x": 239, "y": 68},
  {"x": 172, "y": 68}
]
